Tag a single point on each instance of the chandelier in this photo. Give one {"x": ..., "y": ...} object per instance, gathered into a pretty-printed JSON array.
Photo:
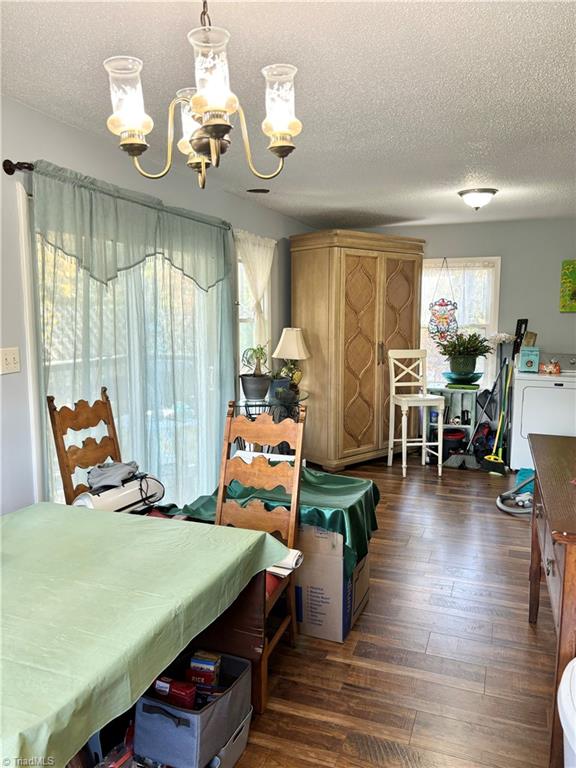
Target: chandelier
[{"x": 205, "y": 109}]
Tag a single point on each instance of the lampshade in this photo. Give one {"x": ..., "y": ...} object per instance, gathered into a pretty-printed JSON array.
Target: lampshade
[
  {"x": 126, "y": 95},
  {"x": 292, "y": 345},
  {"x": 477, "y": 198}
]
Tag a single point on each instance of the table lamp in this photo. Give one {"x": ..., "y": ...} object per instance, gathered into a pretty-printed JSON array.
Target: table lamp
[{"x": 292, "y": 348}]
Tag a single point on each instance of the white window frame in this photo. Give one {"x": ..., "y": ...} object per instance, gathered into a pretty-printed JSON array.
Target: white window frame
[{"x": 492, "y": 327}]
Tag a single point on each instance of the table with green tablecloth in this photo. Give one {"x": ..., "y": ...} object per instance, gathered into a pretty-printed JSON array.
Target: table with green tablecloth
[
  {"x": 95, "y": 605},
  {"x": 337, "y": 503}
]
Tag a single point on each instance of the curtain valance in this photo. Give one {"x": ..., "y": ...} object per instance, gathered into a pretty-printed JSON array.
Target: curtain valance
[{"x": 108, "y": 229}]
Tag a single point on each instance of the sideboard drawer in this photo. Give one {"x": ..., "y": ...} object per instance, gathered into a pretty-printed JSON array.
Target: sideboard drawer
[{"x": 553, "y": 565}]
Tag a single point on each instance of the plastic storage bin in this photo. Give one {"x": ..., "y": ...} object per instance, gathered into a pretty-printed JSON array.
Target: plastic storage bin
[
  {"x": 184, "y": 738},
  {"x": 232, "y": 751},
  {"x": 567, "y": 712}
]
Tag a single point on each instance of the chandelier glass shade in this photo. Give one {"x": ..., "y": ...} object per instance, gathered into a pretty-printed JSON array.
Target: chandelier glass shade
[
  {"x": 128, "y": 113},
  {"x": 205, "y": 110}
]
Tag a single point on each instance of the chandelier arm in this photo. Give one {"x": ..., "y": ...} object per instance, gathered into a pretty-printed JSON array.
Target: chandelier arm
[
  {"x": 248, "y": 151},
  {"x": 169, "y": 146}
]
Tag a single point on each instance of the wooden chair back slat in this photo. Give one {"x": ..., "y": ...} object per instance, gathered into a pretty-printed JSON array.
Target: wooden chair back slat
[
  {"x": 264, "y": 430},
  {"x": 255, "y": 516},
  {"x": 260, "y": 474},
  {"x": 82, "y": 416},
  {"x": 91, "y": 453}
]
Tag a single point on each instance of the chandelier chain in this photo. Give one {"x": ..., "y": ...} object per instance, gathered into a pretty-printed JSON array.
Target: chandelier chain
[{"x": 205, "y": 20}]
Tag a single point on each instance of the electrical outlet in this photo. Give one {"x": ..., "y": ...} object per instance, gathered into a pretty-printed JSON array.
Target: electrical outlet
[{"x": 9, "y": 360}]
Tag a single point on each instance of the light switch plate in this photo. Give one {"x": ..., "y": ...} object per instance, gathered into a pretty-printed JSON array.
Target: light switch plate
[{"x": 9, "y": 360}]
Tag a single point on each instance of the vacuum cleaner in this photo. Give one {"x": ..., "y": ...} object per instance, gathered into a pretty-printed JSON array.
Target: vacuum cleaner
[{"x": 518, "y": 500}]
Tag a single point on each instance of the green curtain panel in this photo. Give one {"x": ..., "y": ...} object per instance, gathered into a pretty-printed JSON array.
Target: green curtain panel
[{"x": 136, "y": 296}]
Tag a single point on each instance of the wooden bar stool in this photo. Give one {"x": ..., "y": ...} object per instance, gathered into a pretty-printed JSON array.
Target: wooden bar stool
[{"x": 408, "y": 370}]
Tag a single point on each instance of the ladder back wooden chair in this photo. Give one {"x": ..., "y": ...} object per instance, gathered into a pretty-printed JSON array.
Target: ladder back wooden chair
[
  {"x": 91, "y": 452},
  {"x": 262, "y": 474},
  {"x": 408, "y": 373}
]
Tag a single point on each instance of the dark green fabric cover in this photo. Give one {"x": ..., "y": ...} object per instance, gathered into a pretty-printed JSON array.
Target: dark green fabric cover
[{"x": 337, "y": 503}]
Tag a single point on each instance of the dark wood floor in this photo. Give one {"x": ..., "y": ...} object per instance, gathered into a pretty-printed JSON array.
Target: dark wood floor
[{"x": 442, "y": 670}]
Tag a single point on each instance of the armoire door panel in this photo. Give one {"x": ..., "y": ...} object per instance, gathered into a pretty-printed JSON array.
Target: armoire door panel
[
  {"x": 361, "y": 323},
  {"x": 401, "y": 324}
]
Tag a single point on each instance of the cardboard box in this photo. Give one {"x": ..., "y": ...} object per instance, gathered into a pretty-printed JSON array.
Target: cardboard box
[{"x": 327, "y": 603}]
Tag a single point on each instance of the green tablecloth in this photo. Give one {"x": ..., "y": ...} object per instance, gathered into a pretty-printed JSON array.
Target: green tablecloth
[
  {"x": 337, "y": 503},
  {"x": 95, "y": 605}
]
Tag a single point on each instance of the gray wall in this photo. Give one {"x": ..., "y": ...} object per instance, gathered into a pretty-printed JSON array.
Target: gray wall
[
  {"x": 29, "y": 135},
  {"x": 531, "y": 253}
]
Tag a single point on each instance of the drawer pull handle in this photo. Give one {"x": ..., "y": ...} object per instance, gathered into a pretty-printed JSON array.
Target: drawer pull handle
[
  {"x": 549, "y": 566},
  {"x": 538, "y": 509}
]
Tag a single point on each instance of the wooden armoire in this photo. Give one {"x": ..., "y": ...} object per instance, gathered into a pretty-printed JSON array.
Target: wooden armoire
[{"x": 355, "y": 295}]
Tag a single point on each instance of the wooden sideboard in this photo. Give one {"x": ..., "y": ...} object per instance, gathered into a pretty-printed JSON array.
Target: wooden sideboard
[{"x": 554, "y": 551}]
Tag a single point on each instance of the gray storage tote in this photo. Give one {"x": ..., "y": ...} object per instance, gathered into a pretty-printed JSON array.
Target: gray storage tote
[
  {"x": 232, "y": 752},
  {"x": 184, "y": 738}
]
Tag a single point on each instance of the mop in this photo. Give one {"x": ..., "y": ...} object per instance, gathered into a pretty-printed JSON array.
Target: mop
[
  {"x": 494, "y": 461},
  {"x": 465, "y": 457}
]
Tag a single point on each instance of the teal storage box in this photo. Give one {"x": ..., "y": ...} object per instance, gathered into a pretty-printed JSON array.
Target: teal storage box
[{"x": 528, "y": 359}]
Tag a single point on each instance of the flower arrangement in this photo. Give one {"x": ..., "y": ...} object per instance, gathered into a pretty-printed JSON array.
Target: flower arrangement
[{"x": 501, "y": 338}]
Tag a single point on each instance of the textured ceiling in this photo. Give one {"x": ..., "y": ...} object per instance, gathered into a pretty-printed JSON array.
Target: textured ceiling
[{"x": 403, "y": 104}]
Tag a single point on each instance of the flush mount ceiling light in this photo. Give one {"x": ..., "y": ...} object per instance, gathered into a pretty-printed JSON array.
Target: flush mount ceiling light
[
  {"x": 477, "y": 198},
  {"x": 205, "y": 109}
]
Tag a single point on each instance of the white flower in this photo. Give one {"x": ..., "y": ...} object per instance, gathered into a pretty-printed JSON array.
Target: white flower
[{"x": 501, "y": 338}]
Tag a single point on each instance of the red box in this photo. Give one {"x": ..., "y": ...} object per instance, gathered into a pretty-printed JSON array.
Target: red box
[{"x": 176, "y": 692}]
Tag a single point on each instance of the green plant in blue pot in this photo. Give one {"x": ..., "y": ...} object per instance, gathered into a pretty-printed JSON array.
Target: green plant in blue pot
[{"x": 463, "y": 350}]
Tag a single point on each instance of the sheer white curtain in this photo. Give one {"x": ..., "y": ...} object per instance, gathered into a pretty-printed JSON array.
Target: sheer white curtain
[
  {"x": 257, "y": 255},
  {"x": 136, "y": 297}
]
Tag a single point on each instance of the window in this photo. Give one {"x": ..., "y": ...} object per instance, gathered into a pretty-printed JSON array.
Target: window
[
  {"x": 246, "y": 312},
  {"x": 475, "y": 285}
]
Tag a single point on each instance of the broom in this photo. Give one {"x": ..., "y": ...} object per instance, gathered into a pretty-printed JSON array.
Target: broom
[{"x": 494, "y": 462}]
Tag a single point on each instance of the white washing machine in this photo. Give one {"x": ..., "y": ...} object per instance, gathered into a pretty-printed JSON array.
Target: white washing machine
[{"x": 544, "y": 405}]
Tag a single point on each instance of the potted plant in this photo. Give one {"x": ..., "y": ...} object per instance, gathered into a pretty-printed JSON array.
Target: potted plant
[
  {"x": 255, "y": 384},
  {"x": 463, "y": 349},
  {"x": 280, "y": 382}
]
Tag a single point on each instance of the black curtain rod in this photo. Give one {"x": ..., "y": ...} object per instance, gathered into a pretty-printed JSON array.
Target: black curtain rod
[{"x": 11, "y": 167}]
